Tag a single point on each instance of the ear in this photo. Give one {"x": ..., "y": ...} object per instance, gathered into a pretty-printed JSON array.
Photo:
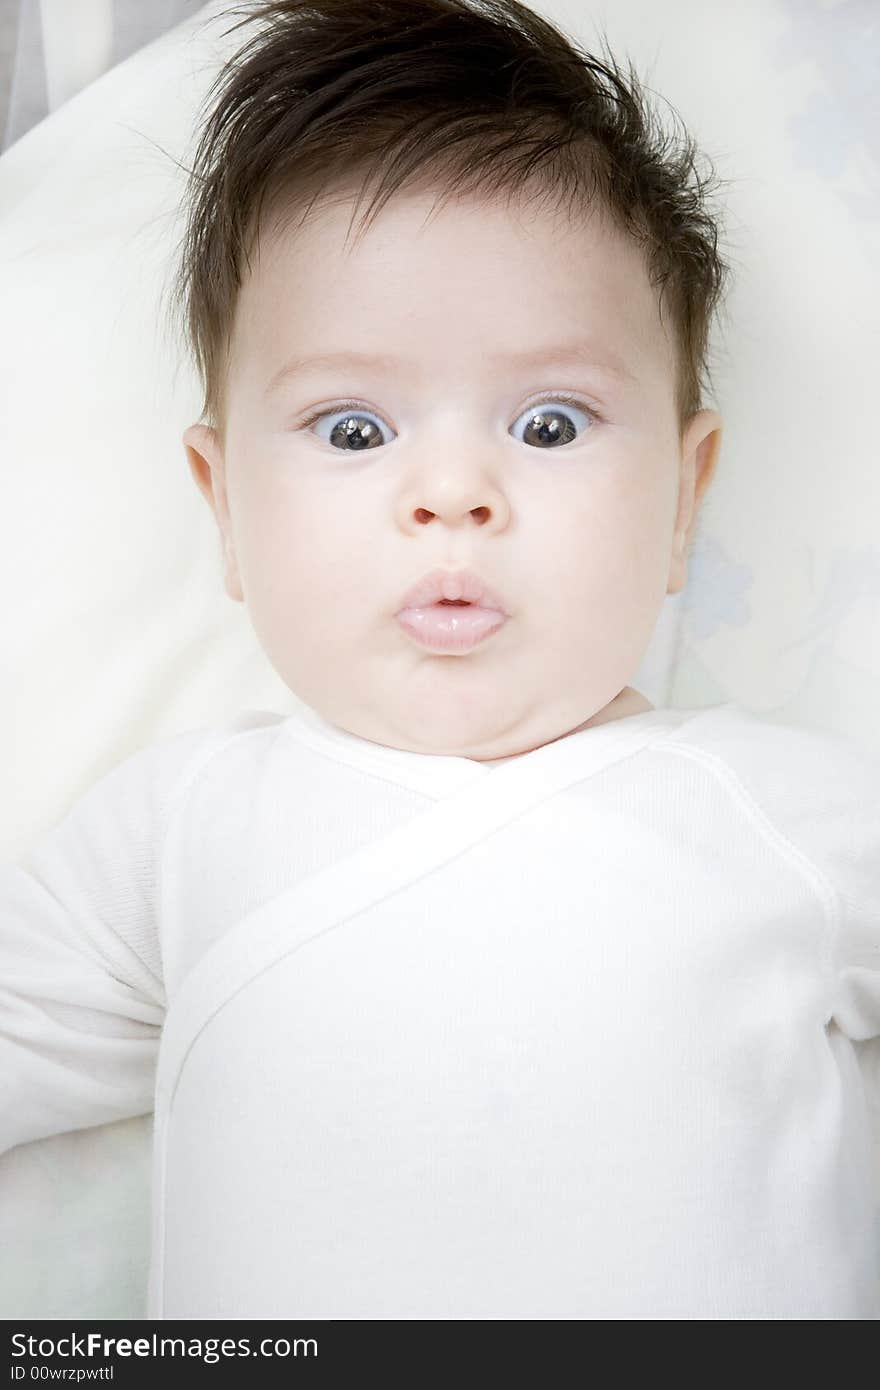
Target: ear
[
  {"x": 699, "y": 456},
  {"x": 207, "y": 466}
]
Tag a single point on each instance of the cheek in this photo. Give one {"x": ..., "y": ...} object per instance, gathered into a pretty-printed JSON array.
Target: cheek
[
  {"x": 616, "y": 531},
  {"x": 604, "y": 561},
  {"x": 299, "y": 554}
]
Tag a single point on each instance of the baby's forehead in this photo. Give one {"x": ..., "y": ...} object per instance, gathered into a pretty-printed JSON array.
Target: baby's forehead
[
  {"x": 342, "y": 223},
  {"x": 468, "y": 277}
]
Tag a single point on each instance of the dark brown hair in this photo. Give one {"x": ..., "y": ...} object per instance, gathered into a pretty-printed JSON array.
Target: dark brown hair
[{"x": 479, "y": 96}]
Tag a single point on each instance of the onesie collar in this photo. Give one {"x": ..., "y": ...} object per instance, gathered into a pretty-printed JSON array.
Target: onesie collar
[{"x": 440, "y": 774}]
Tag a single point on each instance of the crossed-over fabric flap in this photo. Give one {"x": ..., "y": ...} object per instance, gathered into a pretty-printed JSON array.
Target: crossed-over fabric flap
[{"x": 335, "y": 895}]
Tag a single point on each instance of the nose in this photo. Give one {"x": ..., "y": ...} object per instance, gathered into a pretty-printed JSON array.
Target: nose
[{"x": 455, "y": 501}]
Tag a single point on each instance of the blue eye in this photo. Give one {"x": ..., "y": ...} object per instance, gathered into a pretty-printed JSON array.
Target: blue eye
[
  {"x": 547, "y": 427},
  {"x": 355, "y": 430}
]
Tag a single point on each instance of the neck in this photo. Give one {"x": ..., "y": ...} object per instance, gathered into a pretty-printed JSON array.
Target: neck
[{"x": 624, "y": 704}]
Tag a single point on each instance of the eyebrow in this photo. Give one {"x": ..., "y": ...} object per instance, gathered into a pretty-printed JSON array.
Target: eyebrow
[{"x": 559, "y": 355}]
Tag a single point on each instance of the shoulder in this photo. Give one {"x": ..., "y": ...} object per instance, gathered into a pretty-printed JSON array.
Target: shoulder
[
  {"x": 820, "y": 790},
  {"x": 125, "y": 809},
  {"x": 168, "y": 759},
  {"x": 793, "y": 766},
  {"x": 169, "y": 763}
]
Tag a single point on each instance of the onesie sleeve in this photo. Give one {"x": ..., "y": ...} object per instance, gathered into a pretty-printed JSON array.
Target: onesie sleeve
[
  {"x": 828, "y": 803},
  {"x": 857, "y": 861},
  {"x": 821, "y": 790},
  {"x": 81, "y": 993}
]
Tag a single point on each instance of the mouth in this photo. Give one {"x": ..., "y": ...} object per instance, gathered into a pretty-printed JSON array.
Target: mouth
[
  {"x": 450, "y": 611},
  {"x": 450, "y": 625}
]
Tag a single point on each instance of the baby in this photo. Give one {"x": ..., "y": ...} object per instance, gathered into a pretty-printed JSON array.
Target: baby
[{"x": 478, "y": 987}]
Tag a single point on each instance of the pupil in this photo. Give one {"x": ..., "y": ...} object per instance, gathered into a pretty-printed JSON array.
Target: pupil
[
  {"x": 355, "y": 435},
  {"x": 544, "y": 428}
]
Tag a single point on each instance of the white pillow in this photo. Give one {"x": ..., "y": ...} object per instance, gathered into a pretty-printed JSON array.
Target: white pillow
[
  {"x": 120, "y": 632},
  {"x": 117, "y": 630}
]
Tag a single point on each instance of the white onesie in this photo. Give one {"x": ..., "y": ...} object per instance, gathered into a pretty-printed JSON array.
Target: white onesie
[{"x": 593, "y": 1033}]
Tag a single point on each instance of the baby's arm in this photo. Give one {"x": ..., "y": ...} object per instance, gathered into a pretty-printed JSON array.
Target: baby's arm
[{"x": 81, "y": 992}]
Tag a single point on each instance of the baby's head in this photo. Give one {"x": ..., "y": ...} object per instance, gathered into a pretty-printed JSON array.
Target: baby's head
[{"x": 500, "y": 372}]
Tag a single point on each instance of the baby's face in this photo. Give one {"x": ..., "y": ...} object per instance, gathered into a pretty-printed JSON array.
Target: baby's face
[{"x": 457, "y": 324}]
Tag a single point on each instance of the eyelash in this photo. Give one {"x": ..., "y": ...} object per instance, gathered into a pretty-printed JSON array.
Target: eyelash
[{"x": 564, "y": 396}]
